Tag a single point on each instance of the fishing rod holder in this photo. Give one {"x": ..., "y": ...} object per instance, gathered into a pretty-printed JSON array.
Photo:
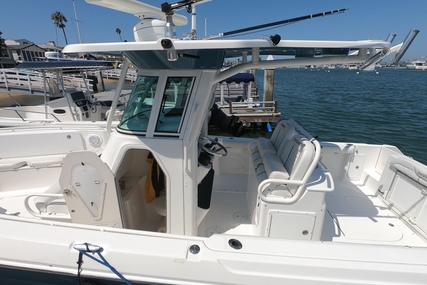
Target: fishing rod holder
[
  {"x": 169, "y": 9},
  {"x": 170, "y": 30}
]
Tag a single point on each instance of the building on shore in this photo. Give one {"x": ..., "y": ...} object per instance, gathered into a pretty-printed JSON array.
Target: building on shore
[{"x": 15, "y": 51}]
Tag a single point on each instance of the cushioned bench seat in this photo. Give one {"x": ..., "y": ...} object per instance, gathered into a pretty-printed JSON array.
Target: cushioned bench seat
[
  {"x": 288, "y": 155},
  {"x": 282, "y": 168},
  {"x": 266, "y": 149},
  {"x": 262, "y": 146}
]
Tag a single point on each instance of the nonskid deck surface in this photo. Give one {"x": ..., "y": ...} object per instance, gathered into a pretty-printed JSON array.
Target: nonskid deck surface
[
  {"x": 355, "y": 216},
  {"x": 228, "y": 210},
  {"x": 351, "y": 216}
]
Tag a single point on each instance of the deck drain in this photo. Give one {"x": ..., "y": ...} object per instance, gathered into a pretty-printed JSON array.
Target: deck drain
[
  {"x": 240, "y": 217},
  {"x": 213, "y": 230}
]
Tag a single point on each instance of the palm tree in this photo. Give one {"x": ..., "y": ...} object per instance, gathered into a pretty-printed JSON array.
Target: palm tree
[
  {"x": 118, "y": 31},
  {"x": 1, "y": 44},
  {"x": 59, "y": 20}
]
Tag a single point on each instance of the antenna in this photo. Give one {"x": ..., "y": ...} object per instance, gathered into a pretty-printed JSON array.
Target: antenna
[
  {"x": 283, "y": 22},
  {"x": 77, "y": 22}
]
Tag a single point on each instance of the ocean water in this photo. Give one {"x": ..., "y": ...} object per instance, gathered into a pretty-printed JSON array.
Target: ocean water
[{"x": 384, "y": 107}]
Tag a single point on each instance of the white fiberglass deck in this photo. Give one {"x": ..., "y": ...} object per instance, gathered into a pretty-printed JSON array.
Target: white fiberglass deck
[{"x": 352, "y": 216}]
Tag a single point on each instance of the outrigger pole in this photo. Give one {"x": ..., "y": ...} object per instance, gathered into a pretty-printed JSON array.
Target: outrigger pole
[{"x": 277, "y": 23}]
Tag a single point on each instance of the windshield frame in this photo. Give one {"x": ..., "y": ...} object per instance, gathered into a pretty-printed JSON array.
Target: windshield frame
[{"x": 143, "y": 113}]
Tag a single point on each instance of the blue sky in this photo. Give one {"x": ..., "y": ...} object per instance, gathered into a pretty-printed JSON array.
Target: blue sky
[{"x": 365, "y": 19}]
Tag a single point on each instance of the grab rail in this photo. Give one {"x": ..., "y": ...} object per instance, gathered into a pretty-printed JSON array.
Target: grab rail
[{"x": 269, "y": 183}]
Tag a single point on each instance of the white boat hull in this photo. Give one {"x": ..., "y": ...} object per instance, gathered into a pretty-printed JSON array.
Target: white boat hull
[
  {"x": 417, "y": 65},
  {"x": 156, "y": 258}
]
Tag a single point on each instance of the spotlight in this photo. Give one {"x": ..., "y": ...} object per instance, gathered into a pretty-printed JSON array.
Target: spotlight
[
  {"x": 166, "y": 43},
  {"x": 275, "y": 39}
]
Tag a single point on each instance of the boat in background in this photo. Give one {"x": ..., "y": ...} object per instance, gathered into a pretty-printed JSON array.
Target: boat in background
[
  {"x": 70, "y": 93},
  {"x": 420, "y": 64},
  {"x": 159, "y": 200}
]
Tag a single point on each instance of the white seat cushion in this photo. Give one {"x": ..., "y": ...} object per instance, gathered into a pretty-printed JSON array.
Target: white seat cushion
[
  {"x": 265, "y": 146},
  {"x": 274, "y": 167}
]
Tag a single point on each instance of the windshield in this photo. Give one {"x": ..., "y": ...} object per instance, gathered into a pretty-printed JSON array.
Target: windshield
[
  {"x": 169, "y": 113},
  {"x": 138, "y": 109},
  {"x": 174, "y": 100}
]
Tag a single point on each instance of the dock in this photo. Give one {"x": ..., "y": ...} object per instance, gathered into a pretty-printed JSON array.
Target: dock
[
  {"x": 239, "y": 97},
  {"x": 32, "y": 82}
]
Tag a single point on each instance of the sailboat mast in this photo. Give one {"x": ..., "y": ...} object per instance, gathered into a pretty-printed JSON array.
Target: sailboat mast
[{"x": 77, "y": 22}]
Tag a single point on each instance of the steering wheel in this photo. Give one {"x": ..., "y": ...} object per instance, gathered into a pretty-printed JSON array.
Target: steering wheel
[{"x": 212, "y": 146}]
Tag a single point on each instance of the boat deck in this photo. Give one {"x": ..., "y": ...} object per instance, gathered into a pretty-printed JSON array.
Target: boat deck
[
  {"x": 352, "y": 216},
  {"x": 13, "y": 204},
  {"x": 228, "y": 210},
  {"x": 355, "y": 216}
]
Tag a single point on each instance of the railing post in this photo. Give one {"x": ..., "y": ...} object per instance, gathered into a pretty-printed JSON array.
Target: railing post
[
  {"x": 221, "y": 89},
  {"x": 5, "y": 80},
  {"x": 29, "y": 84}
]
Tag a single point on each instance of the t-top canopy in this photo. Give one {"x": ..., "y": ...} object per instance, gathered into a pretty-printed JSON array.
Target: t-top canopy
[{"x": 66, "y": 65}]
